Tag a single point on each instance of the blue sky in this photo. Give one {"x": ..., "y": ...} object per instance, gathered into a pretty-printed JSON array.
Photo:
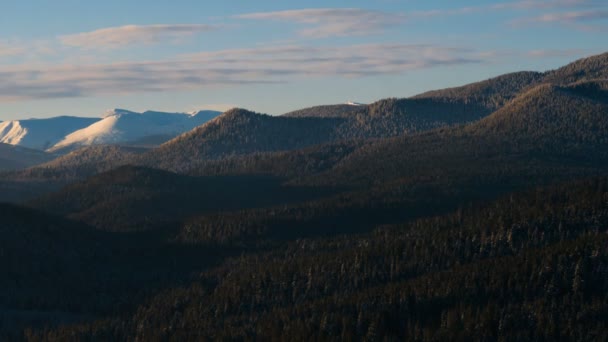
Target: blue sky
[{"x": 69, "y": 57}]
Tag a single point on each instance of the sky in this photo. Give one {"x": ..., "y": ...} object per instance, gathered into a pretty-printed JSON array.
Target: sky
[{"x": 82, "y": 58}]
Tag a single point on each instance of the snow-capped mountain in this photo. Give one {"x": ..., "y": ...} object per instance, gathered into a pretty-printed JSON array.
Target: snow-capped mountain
[
  {"x": 41, "y": 133},
  {"x": 121, "y": 126}
]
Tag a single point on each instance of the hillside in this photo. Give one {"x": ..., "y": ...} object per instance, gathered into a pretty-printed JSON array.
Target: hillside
[
  {"x": 495, "y": 92},
  {"x": 39, "y": 252},
  {"x": 327, "y": 111},
  {"x": 540, "y": 251},
  {"x": 238, "y": 132},
  {"x": 16, "y": 157},
  {"x": 575, "y": 113},
  {"x": 489, "y": 94},
  {"x": 82, "y": 163},
  {"x": 548, "y": 124},
  {"x": 133, "y": 198},
  {"x": 585, "y": 69},
  {"x": 57, "y": 271},
  {"x": 394, "y": 117}
]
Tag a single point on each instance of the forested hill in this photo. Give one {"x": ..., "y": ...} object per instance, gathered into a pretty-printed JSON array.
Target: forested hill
[
  {"x": 496, "y": 92},
  {"x": 238, "y": 132},
  {"x": 508, "y": 270}
]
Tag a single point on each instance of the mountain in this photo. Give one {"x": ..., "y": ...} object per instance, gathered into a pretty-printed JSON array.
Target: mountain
[
  {"x": 16, "y": 157},
  {"x": 250, "y": 140},
  {"x": 41, "y": 134},
  {"x": 560, "y": 128},
  {"x": 495, "y": 92},
  {"x": 123, "y": 127},
  {"x": 585, "y": 69},
  {"x": 489, "y": 94},
  {"x": 576, "y": 113},
  {"x": 239, "y": 132}
]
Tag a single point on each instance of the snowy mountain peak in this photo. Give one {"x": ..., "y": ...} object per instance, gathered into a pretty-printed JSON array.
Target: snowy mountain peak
[
  {"x": 120, "y": 126},
  {"x": 116, "y": 126},
  {"x": 351, "y": 103},
  {"x": 40, "y": 133}
]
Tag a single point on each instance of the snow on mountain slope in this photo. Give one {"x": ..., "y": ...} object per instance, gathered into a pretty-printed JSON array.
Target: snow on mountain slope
[
  {"x": 41, "y": 133},
  {"x": 120, "y": 126}
]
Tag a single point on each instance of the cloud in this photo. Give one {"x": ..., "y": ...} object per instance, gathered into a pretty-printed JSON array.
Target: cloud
[
  {"x": 571, "y": 17},
  {"x": 269, "y": 65},
  {"x": 332, "y": 22},
  {"x": 579, "y": 20},
  {"x": 122, "y": 36},
  {"x": 547, "y": 4},
  {"x": 11, "y": 49},
  {"x": 328, "y": 22}
]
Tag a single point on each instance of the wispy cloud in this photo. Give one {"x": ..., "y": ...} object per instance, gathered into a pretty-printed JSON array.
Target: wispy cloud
[
  {"x": 571, "y": 17},
  {"x": 226, "y": 68},
  {"x": 588, "y": 20},
  {"x": 117, "y": 37},
  {"x": 546, "y": 4},
  {"x": 326, "y": 22},
  {"x": 11, "y": 49}
]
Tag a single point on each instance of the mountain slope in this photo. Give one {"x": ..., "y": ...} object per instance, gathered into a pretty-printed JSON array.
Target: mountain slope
[
  {"x": 578, "y": 112},
  {"x": 489, "y": 94},
  {"x": 585, "y": 69},
  {"x": 133, "y": 198},
  {"x": 41, "y": 133},
  {"x": 82, "y": 163},
  {"x": 508, "y": 270},
  {"x": 394, "y": 117},
  {"x": 496, "y": 92},
  {"x": 327, "y": 111},
  {"x": 16, "y": 157},
  {"x": 551, "y": 127},
  {"x": 121, "y": 126},
  {"x": 43, "y": 258},
  {"x": 238, "y": 132}
]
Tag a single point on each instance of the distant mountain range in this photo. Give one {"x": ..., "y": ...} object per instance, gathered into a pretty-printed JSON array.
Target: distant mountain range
[
  {"x": 518, "y": 105},
  {"x": 41, "y": 134},
  {"x": 118, "y": 126}
]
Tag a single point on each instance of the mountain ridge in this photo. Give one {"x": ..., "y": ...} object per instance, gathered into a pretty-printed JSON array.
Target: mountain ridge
[{"x": 122, "y": 126}]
